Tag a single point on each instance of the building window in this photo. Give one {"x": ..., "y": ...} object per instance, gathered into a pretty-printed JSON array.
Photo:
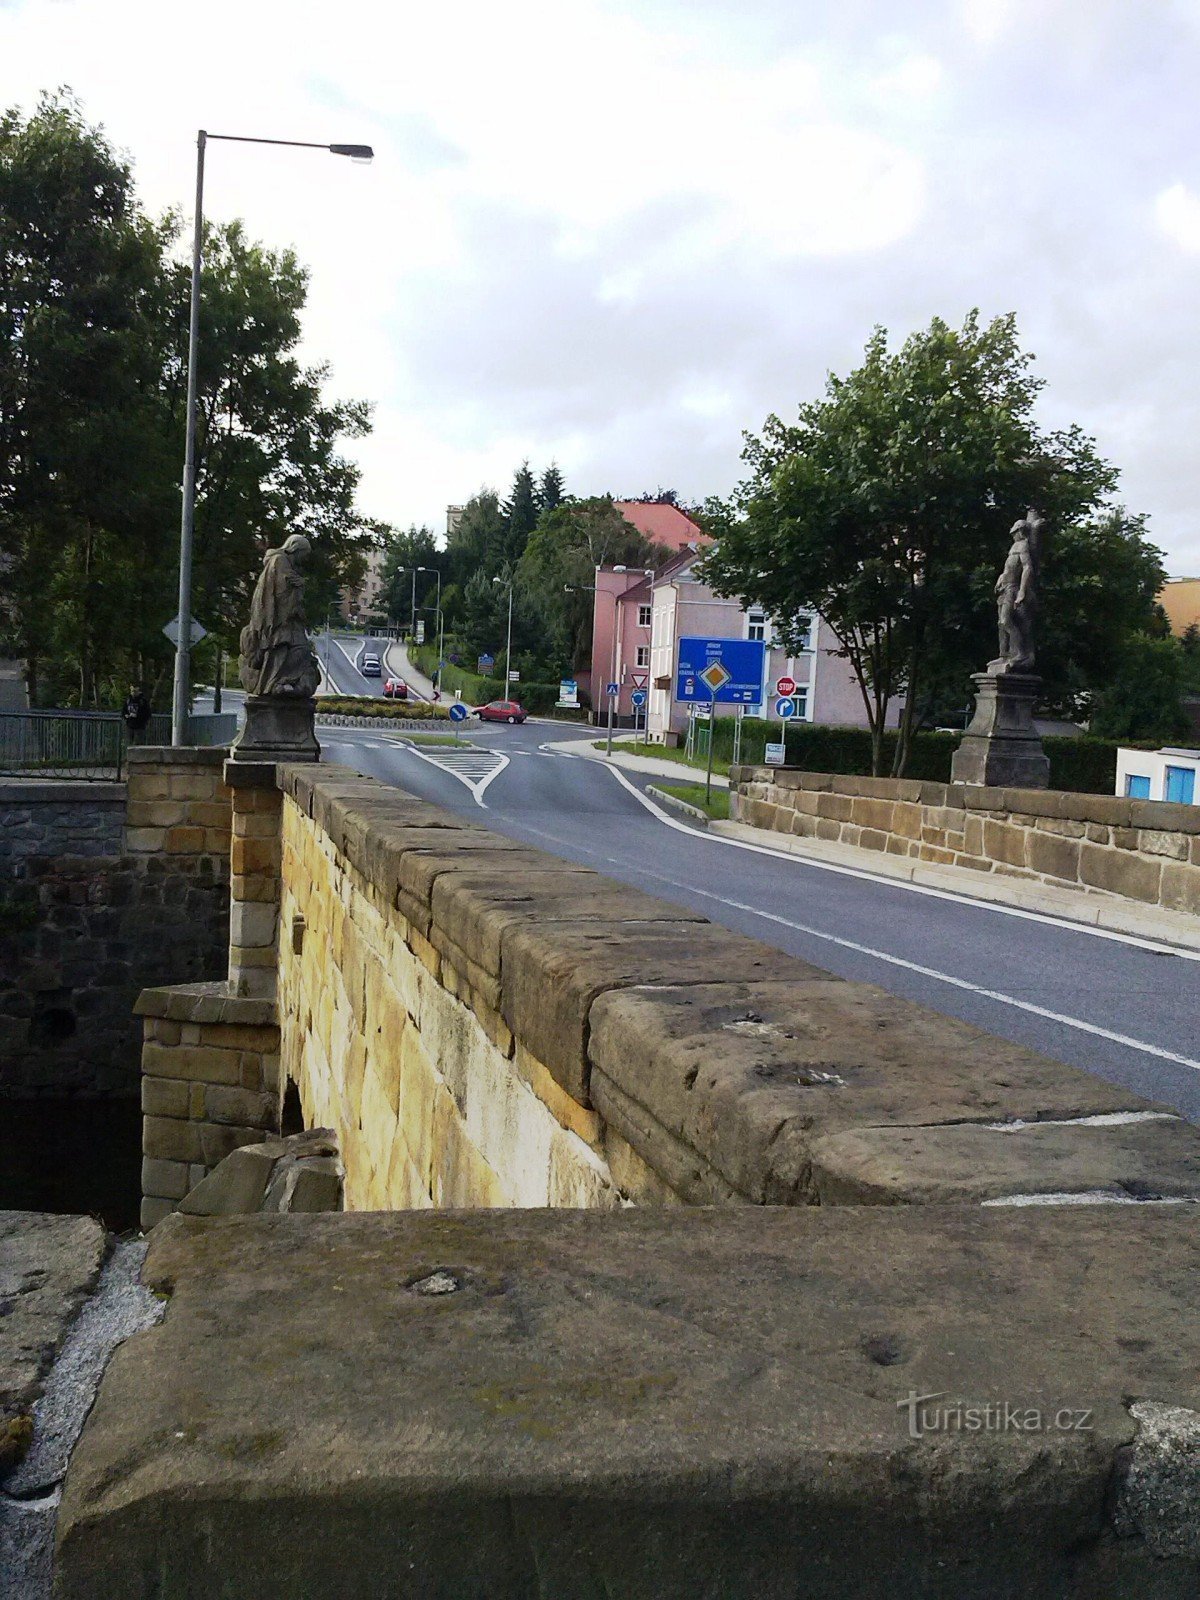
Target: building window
[
  {"x": 801, "y": 699},
  {"x": 643, "y": 655},
  {"x": 756, "y": 625},
  {"x": 1137, "y": 786},
  {"x": 1181, "y": 785},
  {"x": 804, "y": 633},
  {"x": 644, "y": 614}
]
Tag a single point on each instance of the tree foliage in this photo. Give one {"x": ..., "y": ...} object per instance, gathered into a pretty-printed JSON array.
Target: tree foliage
[
  {"x": 559, "y": 566},
  {"x": 1141, "y": 699},
  {"x": 93, "y": 341},
  {"x": 887, "y": 507}
]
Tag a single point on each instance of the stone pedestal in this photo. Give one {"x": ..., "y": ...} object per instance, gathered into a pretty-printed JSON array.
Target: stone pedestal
[
  {"x": 1002, "y": 748},
  {"x": 278, "y": 728}
]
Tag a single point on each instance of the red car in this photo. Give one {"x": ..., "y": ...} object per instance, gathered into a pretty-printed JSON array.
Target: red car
[
  {"x": 396, "y": 689},
  {"x": 501, "y": 711}
]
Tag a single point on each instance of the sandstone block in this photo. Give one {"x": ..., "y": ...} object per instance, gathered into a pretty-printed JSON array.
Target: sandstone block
[
  {"x": 164, "y": 1097},
  {"x": 1053, "y": 856},
  {"x": 205, "y": 1063},
  {"x": 1157, "y": 843},
  {"x": 170, "y": 1139},
  {"x": 1181, "y": 887},
  {"x": 153, "y": 1210},
  {"x": 252, "y": 922},
  {"x": 1003, "y": 843},
  {"x": 1120, "y": 872},
  {"x": 167, "y": 1180}
]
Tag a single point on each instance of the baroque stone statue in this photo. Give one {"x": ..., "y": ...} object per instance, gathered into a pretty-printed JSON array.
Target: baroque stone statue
[
  {"x": 278, "y": 667},
  {"x": 277, "y": 657},
  {"x": 1002, "y": 747},
  {"x": 1016, "y": 596}
]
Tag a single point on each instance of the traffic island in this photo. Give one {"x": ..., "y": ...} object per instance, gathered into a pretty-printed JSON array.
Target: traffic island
[{"x": 950, "y": 1404}]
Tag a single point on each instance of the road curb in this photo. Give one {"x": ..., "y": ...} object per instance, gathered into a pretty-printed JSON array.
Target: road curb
[
  {"x": 335, "y": 719},
  {"x": 693, "y": 813}
]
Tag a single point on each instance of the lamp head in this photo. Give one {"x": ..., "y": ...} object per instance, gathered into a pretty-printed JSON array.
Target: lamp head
[{"x": 361, "y": 153}]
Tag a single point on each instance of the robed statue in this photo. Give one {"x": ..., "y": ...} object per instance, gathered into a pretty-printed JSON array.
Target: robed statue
[
  {"x": 277, "y": 656},
  {"x": 1016, "y": 596}
]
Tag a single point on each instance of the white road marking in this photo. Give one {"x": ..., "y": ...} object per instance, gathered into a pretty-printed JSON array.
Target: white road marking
[
  {"x": 1155, "y": 946},
  {"x": 474, "y": 768},
  {"x": 885, "y": 956}
]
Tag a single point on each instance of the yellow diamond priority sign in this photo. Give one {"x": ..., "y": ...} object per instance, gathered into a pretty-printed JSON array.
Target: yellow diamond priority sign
[{"x": 716, "y": 676}]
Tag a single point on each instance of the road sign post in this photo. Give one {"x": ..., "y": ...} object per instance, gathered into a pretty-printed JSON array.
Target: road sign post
[
  {"x": 458, "y": 713},
  {"x": 638, "y": 701},
  {"x": 712, "y": 718}
]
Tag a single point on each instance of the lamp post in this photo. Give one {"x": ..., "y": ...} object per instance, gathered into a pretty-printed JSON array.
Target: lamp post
[
  {"x": 438, "y": 619},
  {"x": 508, "y": 640},
  {"x": 183, "y": 643}
]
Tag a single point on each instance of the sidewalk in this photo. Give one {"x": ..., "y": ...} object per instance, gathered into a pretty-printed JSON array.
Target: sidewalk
[
  {"x": 1110, "y": 912},
  {"x": 649, "y": 766},
  {"x": 395, "y": 659}
]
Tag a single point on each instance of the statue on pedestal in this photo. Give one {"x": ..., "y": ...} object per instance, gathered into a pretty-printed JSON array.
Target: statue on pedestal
[
  {"x": 1002, "y": 747},
  {"x": 277, "y": 654},
  {"x": 1016, "y": 596},
  {"x": 278, "y": 666}
]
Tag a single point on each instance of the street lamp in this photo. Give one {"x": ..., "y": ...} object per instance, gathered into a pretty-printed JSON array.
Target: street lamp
[
  {"x": 508, "y": 641},
  {"x": 361, "y": 153},
  {"x": 438, "y": 618}
]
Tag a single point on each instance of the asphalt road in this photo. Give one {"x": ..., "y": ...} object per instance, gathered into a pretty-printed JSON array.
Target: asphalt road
[
  {"x": 1124, "y": 1009},
  {"x": 344, "y": 653}
]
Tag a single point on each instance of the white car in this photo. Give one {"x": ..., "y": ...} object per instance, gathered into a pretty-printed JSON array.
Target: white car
[{"x": 370, "y": 667}]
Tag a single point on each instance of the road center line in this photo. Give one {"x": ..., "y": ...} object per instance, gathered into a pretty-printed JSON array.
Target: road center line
[
  {"x": 1156, "y": 947},
  {"x": 885, "y": 956}
]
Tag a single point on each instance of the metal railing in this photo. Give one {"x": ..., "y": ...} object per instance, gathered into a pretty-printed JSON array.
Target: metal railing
[{"x": 89, "y": 745}]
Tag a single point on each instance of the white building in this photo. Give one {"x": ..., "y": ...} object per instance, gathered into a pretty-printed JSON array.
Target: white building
[{"x": 1167, "y": 774}]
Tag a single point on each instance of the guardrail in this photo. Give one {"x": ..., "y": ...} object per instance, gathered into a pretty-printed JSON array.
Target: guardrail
[{"x": 89, "y": 745}]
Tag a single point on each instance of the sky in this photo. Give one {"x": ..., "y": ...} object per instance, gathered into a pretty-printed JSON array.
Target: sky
[{"x": 618, "y": 233}]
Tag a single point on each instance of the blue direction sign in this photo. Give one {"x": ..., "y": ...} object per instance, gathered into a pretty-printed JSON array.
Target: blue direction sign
[
  {"x": 729, "y": 671},
  {"x": 638, "y": 697},
  {"x": 613, "y": 690},
  {"x": 458, "y": 712},
  {"x": 785, "y": 707}
]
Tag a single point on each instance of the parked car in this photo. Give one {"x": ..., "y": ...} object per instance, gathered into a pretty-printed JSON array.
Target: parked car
[
  {"x": 370, "y": 667},
  {"x": 395, "y": 689},
  {"x": 501, "y": 711}
]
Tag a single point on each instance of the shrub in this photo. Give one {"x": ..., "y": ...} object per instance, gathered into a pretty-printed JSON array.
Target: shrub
[
  {"x": 1083, "y": 765},
  {"x": 353, "y": 705}
]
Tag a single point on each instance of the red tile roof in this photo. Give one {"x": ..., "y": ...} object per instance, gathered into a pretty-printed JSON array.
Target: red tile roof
[{"x": 661, "y": 523}]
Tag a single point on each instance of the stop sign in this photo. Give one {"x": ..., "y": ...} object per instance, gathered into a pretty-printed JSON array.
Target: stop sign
[{"x": 785, "y": 686}]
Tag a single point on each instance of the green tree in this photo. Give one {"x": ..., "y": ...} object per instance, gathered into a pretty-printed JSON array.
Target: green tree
[
  {"x": 478, "y": 544},
  {"x": 78, "y": 301},
  {"x": 406, "y": 553},
  {"x": 560, "y": 562},
  {"x": 520, "y": 514},
  {"x": 551, "y": 489},
  {"x": 887, "y": 506},
  {"x": 1190, "y": 644},
  {"x": 1142, "y": 697},
  {"x": 93, "y": 342}
]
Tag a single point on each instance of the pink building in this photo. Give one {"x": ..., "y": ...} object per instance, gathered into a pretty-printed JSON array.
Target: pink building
[
  {"x": 621, "y": 614},
  {"x": 682, "y": 606}
]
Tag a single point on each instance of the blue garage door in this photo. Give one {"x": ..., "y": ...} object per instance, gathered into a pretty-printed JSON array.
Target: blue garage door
[{"x": 1181, "y": 785}]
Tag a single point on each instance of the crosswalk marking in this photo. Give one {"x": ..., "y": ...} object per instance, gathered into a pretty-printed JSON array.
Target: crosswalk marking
[{"x": 473, "y": 767}]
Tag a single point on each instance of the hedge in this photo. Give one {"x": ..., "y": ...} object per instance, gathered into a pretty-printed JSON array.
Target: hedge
[
  {"x": 1082, "y": 765},
  {"x": 353, "y": 705}
]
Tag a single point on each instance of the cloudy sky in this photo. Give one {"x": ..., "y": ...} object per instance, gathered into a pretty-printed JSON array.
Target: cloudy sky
[{"x": 617, "y": 232}]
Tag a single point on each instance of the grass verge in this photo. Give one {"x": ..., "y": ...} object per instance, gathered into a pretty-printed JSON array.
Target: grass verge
[
  {"x": 716, "y": 807},
  {"x": 662, "y": 752}
]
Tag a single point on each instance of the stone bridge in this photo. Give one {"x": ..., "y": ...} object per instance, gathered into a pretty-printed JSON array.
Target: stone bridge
[{"x": 737, "y": 1279}]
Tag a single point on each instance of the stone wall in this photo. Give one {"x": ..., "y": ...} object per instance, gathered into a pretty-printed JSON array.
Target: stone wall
[
  {"x": 487, "y": 1025},
  {"x": 95, "y": 903},
  {"x": 210, "y": 1082},
  {"x": 1143, "y": 850}
]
